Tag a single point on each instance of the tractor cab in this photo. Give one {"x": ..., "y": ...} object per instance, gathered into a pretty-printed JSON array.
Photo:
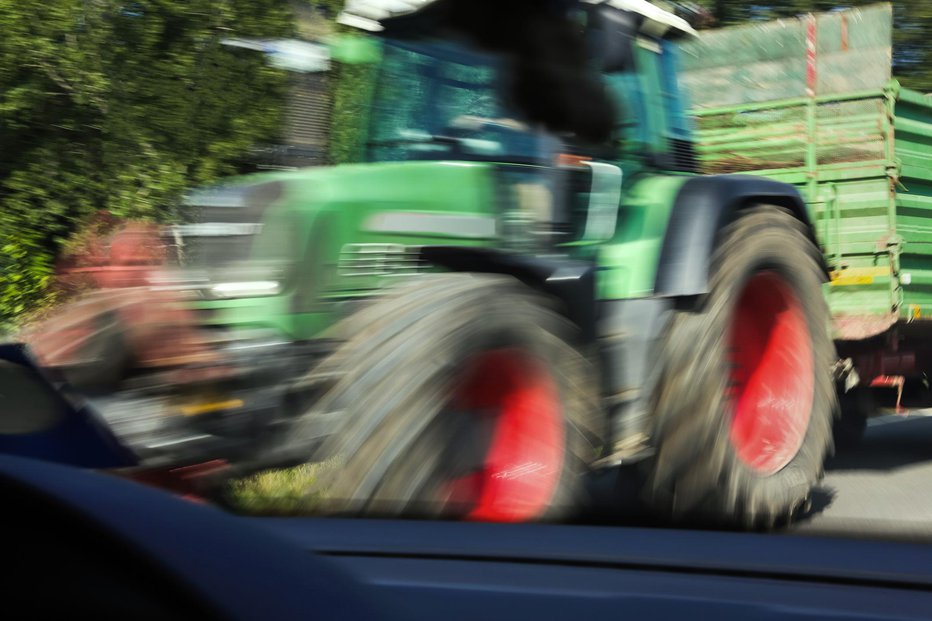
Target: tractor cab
[
  {"x": 562, "y": 142},
  {"x": 520, "y": 97},
  {"x": 443, "y": 101}
]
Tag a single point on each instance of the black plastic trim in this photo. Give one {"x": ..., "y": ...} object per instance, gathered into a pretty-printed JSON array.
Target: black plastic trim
[
  {"x": 813, "y": 559},
  {"x": 702, "y": 207},
  {"x": 572, "y": 282}
]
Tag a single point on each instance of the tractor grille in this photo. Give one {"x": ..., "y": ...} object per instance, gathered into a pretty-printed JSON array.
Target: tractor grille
[
  {"x": 380, "y": 260},
  {"x": 684, "y": 155}
]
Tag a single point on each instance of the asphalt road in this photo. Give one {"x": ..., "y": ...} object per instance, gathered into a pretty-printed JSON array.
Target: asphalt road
[{"x": 883, "y": 487}]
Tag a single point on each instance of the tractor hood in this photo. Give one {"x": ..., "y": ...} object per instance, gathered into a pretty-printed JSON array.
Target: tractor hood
[
  {"x": 341, "y": 232},
  {"x": 371, "y": 195}
]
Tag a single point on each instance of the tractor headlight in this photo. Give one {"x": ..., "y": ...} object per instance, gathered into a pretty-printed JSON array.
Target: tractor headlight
[{"x": 248, "y": 289}]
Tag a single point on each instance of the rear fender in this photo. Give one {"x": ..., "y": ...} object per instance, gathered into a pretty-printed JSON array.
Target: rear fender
[{"x": 703, "y": 206}]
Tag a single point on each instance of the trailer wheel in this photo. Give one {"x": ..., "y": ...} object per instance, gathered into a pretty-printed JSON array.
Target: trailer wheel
[
  {"x": 461, "y": 397},
  {"x": 743, "y": 403}
]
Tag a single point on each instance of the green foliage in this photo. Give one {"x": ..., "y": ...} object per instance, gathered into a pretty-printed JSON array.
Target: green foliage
[
  {"x": 316, "y": 18},
  {"x": 912, "y": 24},
  {"x": 120, "y": 106},
  {"x": 26, "y": 272},
  {"x": 352, "y": 95}
]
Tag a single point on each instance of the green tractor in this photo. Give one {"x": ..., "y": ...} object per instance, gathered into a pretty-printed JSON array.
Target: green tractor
[
  {"x": 584, "y": 300},
  {"x": 522, "y": 281}
]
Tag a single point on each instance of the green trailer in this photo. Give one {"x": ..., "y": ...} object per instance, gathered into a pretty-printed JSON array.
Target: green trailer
[{"x": 811, "y": 102}]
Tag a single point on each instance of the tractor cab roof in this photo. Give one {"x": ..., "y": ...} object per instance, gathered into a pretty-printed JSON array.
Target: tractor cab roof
[{"x": 372, "y": 15}]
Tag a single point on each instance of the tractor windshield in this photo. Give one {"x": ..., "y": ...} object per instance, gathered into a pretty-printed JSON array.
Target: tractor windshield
[{"x": 440, "y": 101}]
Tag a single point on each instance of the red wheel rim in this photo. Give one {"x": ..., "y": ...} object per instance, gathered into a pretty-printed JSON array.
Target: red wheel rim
[
  {"x": 772, "y": 377},
  {"x": 522, "y": 462}
]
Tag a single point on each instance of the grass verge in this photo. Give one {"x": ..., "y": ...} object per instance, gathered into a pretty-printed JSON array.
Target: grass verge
[{"x": 284, "y": 492}]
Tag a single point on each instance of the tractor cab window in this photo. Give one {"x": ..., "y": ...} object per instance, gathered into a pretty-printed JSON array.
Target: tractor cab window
[
  {"x": 441, "y": 101},
  {"x": 653, "y": 121}
]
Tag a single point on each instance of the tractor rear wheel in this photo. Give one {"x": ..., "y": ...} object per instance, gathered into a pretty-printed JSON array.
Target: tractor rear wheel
[
  {"x": 743, "y": 403},
  {"x": 462, "y": 397}
]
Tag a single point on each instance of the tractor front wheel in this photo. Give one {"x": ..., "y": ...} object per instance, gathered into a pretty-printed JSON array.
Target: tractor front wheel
[{"x": 461, "y": 396}]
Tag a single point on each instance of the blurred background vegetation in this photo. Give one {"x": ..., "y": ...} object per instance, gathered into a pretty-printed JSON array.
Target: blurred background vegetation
[{"x": 120, "y": 107}]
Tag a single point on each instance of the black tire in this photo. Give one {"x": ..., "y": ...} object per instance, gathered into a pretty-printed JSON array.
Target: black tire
[
  {"x": 394, "y": 381},
  {"x": 696, "y": 471},
  {"x": 856, "y": 405}
]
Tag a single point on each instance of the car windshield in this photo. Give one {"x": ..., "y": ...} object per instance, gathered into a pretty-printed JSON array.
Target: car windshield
[{"x": 568, "y": 265}]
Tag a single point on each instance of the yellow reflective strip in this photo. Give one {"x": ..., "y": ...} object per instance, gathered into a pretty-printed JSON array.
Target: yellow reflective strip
[
  {"x": 852, "y": 280},
  {"x": 194, "y": 410},
  {"x": 858, "y": 276}
]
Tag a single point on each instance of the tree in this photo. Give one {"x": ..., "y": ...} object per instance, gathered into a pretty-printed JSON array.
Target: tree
[{"x": 117, "y": 106}]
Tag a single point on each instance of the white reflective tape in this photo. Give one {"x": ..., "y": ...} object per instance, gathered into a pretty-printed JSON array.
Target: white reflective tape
[{"x": 474, "y": 227}]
